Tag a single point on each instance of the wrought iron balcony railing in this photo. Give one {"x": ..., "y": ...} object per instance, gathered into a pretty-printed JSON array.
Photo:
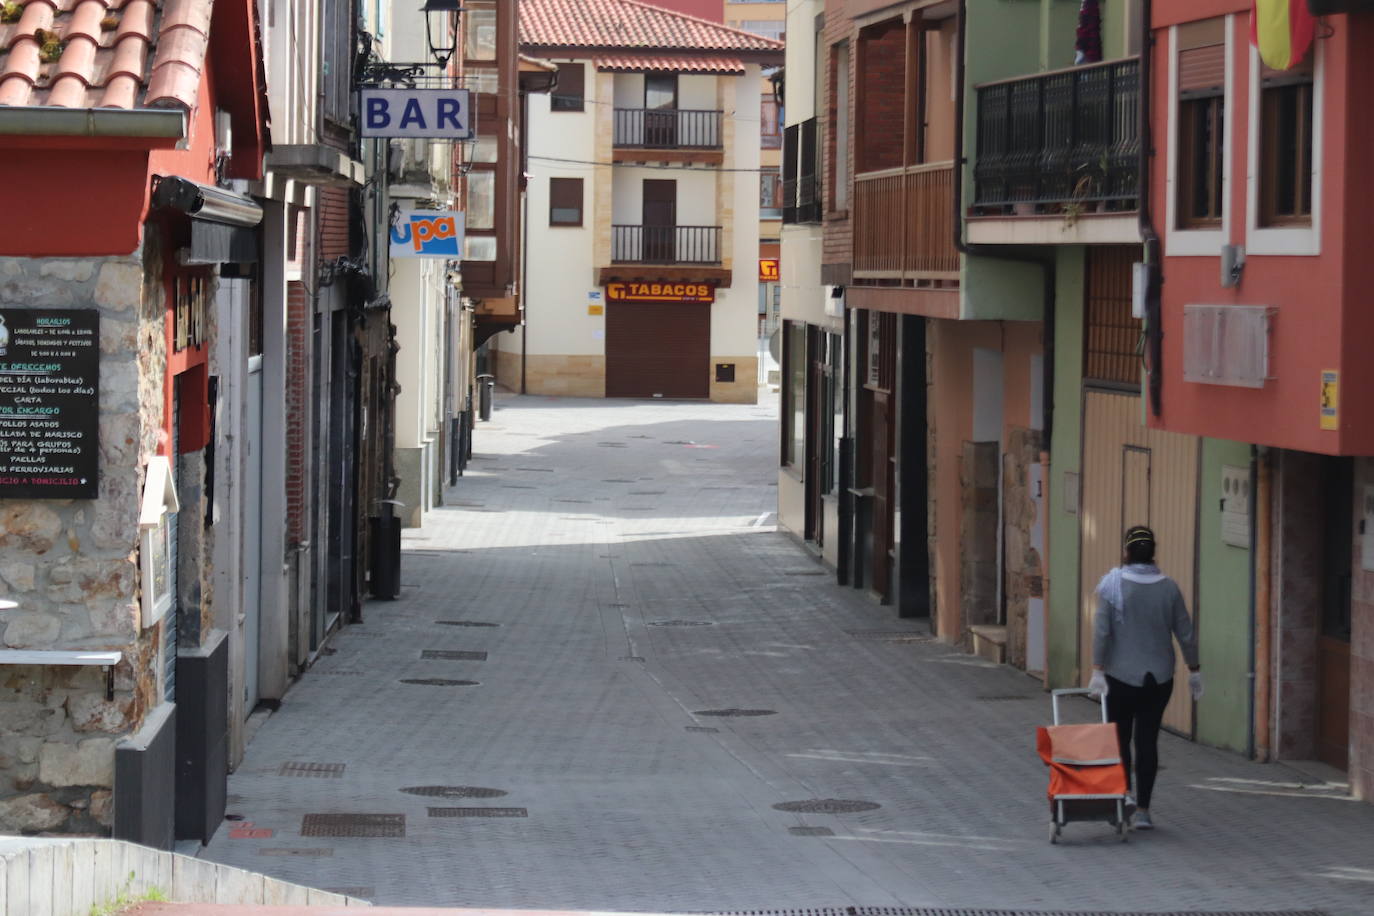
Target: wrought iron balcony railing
[
  {"x": 801, "y": 199},
  {"x": 667, "y": 128},
  {"x": 1058, "y": 142},
  {"x": 665, "y": 244}
]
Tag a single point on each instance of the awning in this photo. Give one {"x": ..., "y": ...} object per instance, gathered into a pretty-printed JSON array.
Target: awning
[
  {"x": 221, "y": 221},
  {"x": 652, "y": 63}
]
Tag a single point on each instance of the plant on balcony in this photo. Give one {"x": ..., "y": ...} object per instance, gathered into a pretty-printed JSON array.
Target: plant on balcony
[{"x": 1092, "y": 176}]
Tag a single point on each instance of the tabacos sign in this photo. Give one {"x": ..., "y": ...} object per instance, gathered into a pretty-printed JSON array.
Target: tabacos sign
[
  {"x": 440, "y": 113},
  {"x": 427, "y": 234},
  {"x": 660, "y": 292}
]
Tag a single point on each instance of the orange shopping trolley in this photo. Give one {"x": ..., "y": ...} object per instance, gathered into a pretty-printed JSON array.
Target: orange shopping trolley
[{"x": 1087, "y": 780}]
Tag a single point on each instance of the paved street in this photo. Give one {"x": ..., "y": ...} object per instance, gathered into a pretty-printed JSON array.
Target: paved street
[{"x": 620, "y": 562}]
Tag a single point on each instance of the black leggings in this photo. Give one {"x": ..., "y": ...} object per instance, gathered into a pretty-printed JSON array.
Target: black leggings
[{"x": 1142, "y": 709}]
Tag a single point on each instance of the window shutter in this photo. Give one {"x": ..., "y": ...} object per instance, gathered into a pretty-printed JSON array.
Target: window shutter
[
  {"x": 571, "y": 88},
  {"x": 1202, "y": 57},
  {"x": 565, "y": 201}
]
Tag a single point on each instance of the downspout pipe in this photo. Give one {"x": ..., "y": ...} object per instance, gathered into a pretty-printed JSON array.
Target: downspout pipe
[
  {"x": 1154, "y": 331},
  {"x": 1046, "y": 261}
]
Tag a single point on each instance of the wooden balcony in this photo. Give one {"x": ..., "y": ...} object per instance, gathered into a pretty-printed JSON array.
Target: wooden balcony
[{"x": 903, "y": 229}]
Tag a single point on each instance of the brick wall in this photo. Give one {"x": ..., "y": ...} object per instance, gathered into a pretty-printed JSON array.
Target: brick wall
[
  {"x": 333, "y": 216},
  {"x": 881, "y": 77},
  {"x": 298, "y": 327},
  {"x": 837, "y": 244}
]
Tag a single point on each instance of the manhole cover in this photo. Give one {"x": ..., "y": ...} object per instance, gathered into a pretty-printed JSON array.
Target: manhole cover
[
  {"x": 891, "y": 635},
  {"x": 454, "y": 792},
  {"x": 453, "y": 655},
  {"x": 466, "y": 623},
  {"x": 681, "y": 623},
  {"x": 317, "y": 852},
  {"x": 734, "y": 713},
  {"x": 810, "y": 831},
  {"x": 437, "y": 682},
  {"x": 707, "y": 729},
  {"x": 354, "y": 825},
  {"x": 320, "y": 770},
  {"x": 827, "y": 806},
  {"x": 478, "y": 812}
]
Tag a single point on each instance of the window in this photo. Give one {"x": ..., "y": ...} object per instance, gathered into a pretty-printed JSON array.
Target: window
[
  {"x": 1286, "y": 146},
  {"x": 337, "y": 76},
  {"x": 770, "y": 193},
  {"x": 568, "y": 95},
  {"x": 839, "y": 82},
  {"x": 1201, "y": 124},
  {"x": 768, "y": 28},
  {"x": 565, "y": 201},
  {"x": 480, "y": 210},
  {"x": 770, "y": 130},
  {"x": 479, "y": 30}
]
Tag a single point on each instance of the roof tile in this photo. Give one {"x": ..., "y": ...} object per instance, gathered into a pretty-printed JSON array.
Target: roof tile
[
  {"x": 111, "y": 55},
  {"x": 629, "y": 24},
  {"x": 648, "y": 63}
]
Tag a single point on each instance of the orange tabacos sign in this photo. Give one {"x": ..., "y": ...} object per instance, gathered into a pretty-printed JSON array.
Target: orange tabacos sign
[
  {"x": 660, "y": 292},
  {"x": 770, "y": 269}
]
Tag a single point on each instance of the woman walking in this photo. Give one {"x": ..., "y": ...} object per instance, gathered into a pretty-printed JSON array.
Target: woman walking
[{"x": 1140, "y": 612}]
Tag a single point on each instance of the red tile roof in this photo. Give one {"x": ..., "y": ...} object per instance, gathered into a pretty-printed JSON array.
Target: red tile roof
[
  {"x": 631, "y": 25},
  {"x": 648, "y": 63},
  {"x": 104, "y": 53}
]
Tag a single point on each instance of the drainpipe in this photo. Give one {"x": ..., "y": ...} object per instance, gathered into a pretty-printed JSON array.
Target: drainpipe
[
  {"x": 1046, "y": 262},
  {"x": 1154, "y": 341},
  {"x": 1262, "y": 541}
]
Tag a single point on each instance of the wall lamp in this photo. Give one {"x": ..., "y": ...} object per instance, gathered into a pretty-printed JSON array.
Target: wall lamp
[{"x": 441, "y": 25}]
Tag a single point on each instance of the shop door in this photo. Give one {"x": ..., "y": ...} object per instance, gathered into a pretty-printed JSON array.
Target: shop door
[
  {"x": 660, "y": 220},
  {"x": 252, "y": 536},
  {"x": 1333, "y": 646},
  {"x": 658, "y": 350},
  {"x": 1133, "y": 475}
]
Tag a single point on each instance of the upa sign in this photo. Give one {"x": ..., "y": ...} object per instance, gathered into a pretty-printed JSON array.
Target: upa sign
[
  {"x": 443, "y": 114},
  {"x": 427, "y": 234}
]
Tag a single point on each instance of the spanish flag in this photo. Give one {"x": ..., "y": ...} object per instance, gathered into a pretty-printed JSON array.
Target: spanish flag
[{"x": 1282, "y": 30}]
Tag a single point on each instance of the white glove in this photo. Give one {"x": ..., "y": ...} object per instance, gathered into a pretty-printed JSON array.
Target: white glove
[
  {"x": 1098, "y": 684},
  {"x": 1195, "y": 684}
]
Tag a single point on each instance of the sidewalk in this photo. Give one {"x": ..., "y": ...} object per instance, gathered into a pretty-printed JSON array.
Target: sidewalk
[{"x": 625, "y": 555}]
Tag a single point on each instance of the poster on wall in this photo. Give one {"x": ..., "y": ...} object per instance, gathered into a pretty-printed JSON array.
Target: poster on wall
[{"x": 49, "y": 403}]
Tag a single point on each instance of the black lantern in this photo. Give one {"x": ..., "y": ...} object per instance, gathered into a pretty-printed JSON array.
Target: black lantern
[{"x": 441, "y": 28}]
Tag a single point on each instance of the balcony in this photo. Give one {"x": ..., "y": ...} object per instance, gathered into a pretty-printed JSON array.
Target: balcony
[
  {"x": 665, "y": 245},
  {"x": 667, "y": 134},
  {"x": 1063, "y": 144},
  {"x": 902, "y": 230},
  {"x": 801, "y": 199}
]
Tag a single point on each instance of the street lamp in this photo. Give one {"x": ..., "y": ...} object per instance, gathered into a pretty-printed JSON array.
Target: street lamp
[{"x": 441, "y": 25}]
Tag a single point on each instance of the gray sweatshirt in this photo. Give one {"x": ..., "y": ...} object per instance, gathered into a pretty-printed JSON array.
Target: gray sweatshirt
[{"x": 1138, "y": 640}]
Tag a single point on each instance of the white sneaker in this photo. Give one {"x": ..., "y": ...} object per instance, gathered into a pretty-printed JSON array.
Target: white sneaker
[{"x": 1142, "y": 820}]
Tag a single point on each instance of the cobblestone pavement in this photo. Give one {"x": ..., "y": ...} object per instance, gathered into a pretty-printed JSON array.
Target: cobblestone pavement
[{"x": 622, "y": 561}]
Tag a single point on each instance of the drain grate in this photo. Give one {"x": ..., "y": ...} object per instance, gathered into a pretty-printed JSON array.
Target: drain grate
[
  {"x": 681, "y": 623},
  {"x": 453, "y": 655},
  {"x": 278, "y": 851},
  {"x": 827, "y": 806},
  {"x": 454, "y": 792},
  {"x": 437, "y": 682},
  {"x": 354, "y": 825},
  {"x": 336, "y": 673},
  {"x": 706, "y": 729},
  {"x": 466, "y": 623},
  {"x": 891, "y": 635},
  {"x": 478, "y": 812},
  {"x": 617, "y": 480},
  {"x": 735, "y": 713},
  {"x": 810, "y": 831},
  {"x": 320, "y": 770}
]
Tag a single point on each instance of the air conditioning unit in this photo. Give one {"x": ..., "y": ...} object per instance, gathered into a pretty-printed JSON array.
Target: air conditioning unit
[{"x": 834, "y": 301}]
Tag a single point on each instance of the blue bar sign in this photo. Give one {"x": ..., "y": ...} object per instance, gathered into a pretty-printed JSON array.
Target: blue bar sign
[{"x": 436, "y": 113}]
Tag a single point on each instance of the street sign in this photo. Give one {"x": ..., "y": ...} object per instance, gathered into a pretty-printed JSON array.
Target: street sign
[
  {"x": 427, "y": 234},
  {"x": 443, "y": 114}
]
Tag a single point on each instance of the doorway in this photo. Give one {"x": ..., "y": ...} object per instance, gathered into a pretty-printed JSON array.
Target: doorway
[
  {"x": 252, "y": 537},
  {"x": 660, "y": 220},
  {"x": 660, "y": 109},
  {"x": 1333, "y": 645}
]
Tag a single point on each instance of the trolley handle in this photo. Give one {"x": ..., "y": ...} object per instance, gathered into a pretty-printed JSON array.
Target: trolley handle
[{"x": 1073, "y": 692}]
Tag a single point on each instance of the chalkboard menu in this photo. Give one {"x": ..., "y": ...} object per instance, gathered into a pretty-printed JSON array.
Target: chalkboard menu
[{"x": 49, "y": 403}]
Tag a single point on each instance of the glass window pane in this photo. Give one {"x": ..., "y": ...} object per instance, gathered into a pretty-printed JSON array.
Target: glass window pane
[
  {"x": 481, "y": 200},
  {"x": 479, "y": 30},
  {"x": 483, "y": 150},
  {"x": 479, "y": 248}
]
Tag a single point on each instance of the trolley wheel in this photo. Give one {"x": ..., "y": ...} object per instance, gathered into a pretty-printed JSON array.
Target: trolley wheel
[
  {"x": 1054, "y": 832},
  {"x": 1122, "y": 831}
]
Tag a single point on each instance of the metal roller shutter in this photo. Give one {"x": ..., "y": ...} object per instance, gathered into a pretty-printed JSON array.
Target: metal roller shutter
[{"x": 658, "y": 349}]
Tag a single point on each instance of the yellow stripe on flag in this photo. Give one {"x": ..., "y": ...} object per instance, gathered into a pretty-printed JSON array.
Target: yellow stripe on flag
[{"x": 1274, "y": 33}]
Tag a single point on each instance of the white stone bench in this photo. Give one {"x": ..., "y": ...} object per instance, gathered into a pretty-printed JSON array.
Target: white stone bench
[{"x": 104, "y": 658}]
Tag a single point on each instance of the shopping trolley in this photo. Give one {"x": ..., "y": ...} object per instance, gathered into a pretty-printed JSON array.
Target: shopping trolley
[{"x": 1087, "y": 779}]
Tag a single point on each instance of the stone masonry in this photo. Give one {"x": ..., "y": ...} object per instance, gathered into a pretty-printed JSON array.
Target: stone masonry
[{"x": 72, "y": 565}]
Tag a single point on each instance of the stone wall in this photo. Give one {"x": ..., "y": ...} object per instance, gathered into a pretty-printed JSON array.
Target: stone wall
[
  {"x": 1024, "y": 570},
  {"x": 72, "y": 565},
  {"x": 978, "y": 534}
]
